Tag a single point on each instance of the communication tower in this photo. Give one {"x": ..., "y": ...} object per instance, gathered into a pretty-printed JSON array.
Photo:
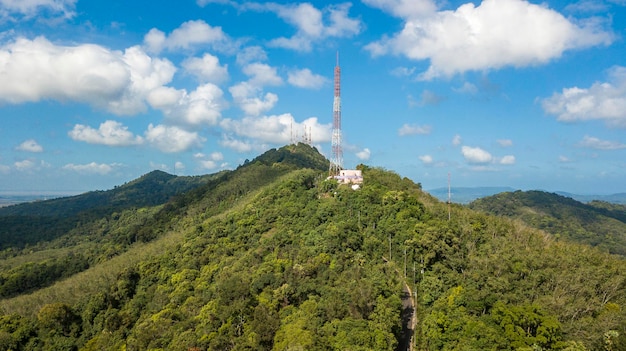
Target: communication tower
[{"x": 336, "y": 160}]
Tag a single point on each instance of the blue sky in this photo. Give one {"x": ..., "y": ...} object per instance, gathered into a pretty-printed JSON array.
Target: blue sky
[{"x": 530, "y": 95}]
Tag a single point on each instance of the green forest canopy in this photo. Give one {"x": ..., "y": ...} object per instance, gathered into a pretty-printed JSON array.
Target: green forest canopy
[{"x": 272, "y": 256}]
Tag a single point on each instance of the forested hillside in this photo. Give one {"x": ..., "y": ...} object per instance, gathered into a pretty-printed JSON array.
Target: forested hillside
[
  {"x": 272, "y": 256},
  {"x": 599, "y": 224},
  {"x": 34, "y": 222}
]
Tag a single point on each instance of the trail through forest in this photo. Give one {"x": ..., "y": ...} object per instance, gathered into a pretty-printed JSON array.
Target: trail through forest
[{"x": 408, "y": 320}]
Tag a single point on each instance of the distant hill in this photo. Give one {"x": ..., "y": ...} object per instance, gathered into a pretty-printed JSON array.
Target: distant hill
[
  {"x": 597, "y": 223},
  {"x": 28, "y": 223},
  {"x": 464, "y": 195},
  {"x": 619, "y": 198},
  {"x": 150, "y": 189}
]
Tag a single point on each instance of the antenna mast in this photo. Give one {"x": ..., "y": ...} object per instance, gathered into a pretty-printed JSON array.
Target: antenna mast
[
  {"x": 336, "y": 161},
  {"x": 449, "y": 196}
]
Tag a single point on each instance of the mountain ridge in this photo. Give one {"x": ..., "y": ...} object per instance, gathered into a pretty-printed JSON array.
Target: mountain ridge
[
  {"x": 274, "y": 256},
  {"x": 465, "y": 195},
  {"x": 596, "y": 223}
]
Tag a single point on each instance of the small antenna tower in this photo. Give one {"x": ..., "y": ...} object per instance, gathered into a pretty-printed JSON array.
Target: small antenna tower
[
  {"x": 336, "y": 161},
  {"x": 449, "y": 197}
]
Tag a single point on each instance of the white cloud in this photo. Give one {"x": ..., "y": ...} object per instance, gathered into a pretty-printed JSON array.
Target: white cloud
[
  {"x": 213, "y": 161},
  {"x": 312, "y": 25},
  {"x": 364, "y": 154},
  {"x": 189, "y": 34},
  {"x": 216, "y": 156},
  {"x": 476, "y": 155},
  {"x": 495, "y": 34},
  {"x": 208, "y": 164},
  {"x": 202, "y": 106},
  {"x": 24, "y": 165},
  {"x": 426, "y": 159},
  {"x": 277, "y": 129},
  {"x": 249, "y": 99},
  {"x": 404, "y": 8},
  {"x": 161, "y": 166},
  {"x": 235, "y": 144},
  {"x": 467, "y": 88},
  {"x": 251, "y": 54},
  {"x": 109, "y": 133},
  {"x": 206, "y": 69},
  {"x": 91, "y": 168},
  {"x": 249, "y": 96},
  {"x": 507, "y": 160},
  {"x": 602, "y": 101},
  {"x": 457, "y": 140},
  {"x": 35, "y": 70},
  {"x": 179, "y": 166},
  {"x": 172, "y": 139},
  {"x": 407, "y": 129},
  {"x": 304, "y": 78},
  {"x": 30, "y": 8},
  {"x": 30, "y": 165},
  {"x": 30, "y": 145},
  {"x": 403, "y": 71},
  {"x": 429, "y": 98},
  {"x": 262, "y": 74},
  {"x": 505, "y": 142},
  {"x": 598, "y": 144}
]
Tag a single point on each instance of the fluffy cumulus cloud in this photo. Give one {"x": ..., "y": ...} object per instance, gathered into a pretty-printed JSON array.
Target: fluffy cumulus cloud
[
  {"x": 406, "y": 9},
  {"x": 364, "y": 154},
  {"x": 206, "y": 68},
  {"x": 30, "y": 8},
  {"x": 426, "y": 159},
  {"x": 91, "y": 168},
  {"x": 304, "y": 78},
  {"x": 604, "y": 101},
  {"x": 249, "y": 95},
  {"x": 277, "y": 129},
  {"x": 187, "y": 36},
  {"x": 109, "y": 133},
  {"x": 476, "y": 155},
  {"x": 35, "y": 70},
  {"x": 172, "y": 139},
  {"x": 201, "y": 106},
  {"x": 410, "y": 129},
  {"x": 599, "y": 144},
  {"x": 212, "y": 161},
  {"x": 235, "y": 144},
  {"x": 495, "y": 34},
  {"x": 30, "y": 145},
  {"x": 312, "y": 24},
  {"x": 29, "y": 165},
  {"x": 262, "y": 74},
  {"x": 507, "y": 160},
  {"x": 251, "y": 99}
]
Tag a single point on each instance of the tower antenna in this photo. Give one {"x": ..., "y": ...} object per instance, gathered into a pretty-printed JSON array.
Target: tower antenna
[
  {"x": 336, "y": 161},
  {"x": 449, "y": 196}
]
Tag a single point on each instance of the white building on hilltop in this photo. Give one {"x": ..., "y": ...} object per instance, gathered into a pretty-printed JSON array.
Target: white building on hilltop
[{"x": 349, "y": 176}]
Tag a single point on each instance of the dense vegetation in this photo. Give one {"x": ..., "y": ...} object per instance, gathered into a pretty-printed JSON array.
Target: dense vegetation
[
  {"x": 597, "y": 223},
  {"x": 272, "y": 256}
]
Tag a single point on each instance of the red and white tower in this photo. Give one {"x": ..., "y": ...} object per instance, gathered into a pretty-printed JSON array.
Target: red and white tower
[{"x": 336, "y": 160}]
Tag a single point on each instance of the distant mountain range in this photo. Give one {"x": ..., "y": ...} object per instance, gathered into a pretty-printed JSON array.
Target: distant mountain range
[{"x": 465, "y": 195}]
